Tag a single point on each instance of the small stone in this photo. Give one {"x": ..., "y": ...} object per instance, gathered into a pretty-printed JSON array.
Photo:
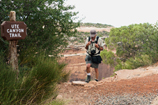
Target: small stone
[{"x": 59, "y": 97}]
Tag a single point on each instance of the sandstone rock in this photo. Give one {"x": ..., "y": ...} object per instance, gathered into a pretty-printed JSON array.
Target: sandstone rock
[
  {"x": 146, "y": 73},
  {"x": 59, "y": 97},
  {"x": 140, "y": 72},
  {"x": 81, "y": 83},
  {"x": 109, "y": 79},
  {"x": 128, "y": 74}
]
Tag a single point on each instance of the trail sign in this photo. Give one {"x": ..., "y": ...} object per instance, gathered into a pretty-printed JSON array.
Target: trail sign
[{"x": 13, "y": 30}]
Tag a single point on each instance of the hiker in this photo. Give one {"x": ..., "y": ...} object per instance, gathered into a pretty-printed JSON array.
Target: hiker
[{"x": 93, "y": 45}]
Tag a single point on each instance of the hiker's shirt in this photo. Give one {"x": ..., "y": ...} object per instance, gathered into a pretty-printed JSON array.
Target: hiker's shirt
[{"x": 92, "y": 46}]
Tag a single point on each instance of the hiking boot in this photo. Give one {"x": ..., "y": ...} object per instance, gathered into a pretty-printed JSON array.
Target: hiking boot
[
  {"x": 96, "y": 80},
  {"x": 88, "y": 78}
]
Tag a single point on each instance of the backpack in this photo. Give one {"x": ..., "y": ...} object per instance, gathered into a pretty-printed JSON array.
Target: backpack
[
  {"x": 95, "y": 59},
  {"x": 94, "y": 42}
]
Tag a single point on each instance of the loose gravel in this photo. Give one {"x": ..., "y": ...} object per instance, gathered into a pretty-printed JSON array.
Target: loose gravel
[{"x": 125, "y": 99}]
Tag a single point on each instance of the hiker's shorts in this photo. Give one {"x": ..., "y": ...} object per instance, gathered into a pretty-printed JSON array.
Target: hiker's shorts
[{"x": 88, "y": 60}]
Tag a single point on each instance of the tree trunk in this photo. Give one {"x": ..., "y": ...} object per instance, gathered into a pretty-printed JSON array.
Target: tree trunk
[{"x": 13, "y": 55}]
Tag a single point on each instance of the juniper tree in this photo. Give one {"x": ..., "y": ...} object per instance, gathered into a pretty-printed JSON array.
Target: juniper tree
[
  {"x": 134, "y": 43},
  {"x": 49, "y": 24}
]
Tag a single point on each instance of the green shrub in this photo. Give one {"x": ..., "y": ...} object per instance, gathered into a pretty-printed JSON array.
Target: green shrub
[
  {"x": 143, "y": 60},
  {"x": 136, "y": 39},
  {"x": 34, "y": 85},
  {"x": 108, "y": 57},
  {"x": 133, "y": 63},
  {"x": 118, "y": 67},
  {"x": 136, "y": 45}
]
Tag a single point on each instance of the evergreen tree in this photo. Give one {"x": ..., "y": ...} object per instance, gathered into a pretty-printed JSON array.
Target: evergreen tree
[{"x": 49, "y": 24}]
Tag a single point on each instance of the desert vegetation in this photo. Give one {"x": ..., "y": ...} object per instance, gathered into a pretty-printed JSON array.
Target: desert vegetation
[
  {"x": 36, "y": 83},
  {"x": 49, "y": 25},
  {"x": 136, "y": 45},
  {"x": 50, "y": 28}
]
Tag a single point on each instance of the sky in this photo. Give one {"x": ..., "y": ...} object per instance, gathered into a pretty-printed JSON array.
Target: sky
[{"x": 116, "y": 12}]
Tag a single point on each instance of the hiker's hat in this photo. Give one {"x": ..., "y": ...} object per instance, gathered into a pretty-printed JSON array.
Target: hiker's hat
[{"x": 93, "y": 33}]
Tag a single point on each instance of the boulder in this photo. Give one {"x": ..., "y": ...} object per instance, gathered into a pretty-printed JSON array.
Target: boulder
[
  {"x": 127, "y": 74},
  {"x": 136, "y": 73}
]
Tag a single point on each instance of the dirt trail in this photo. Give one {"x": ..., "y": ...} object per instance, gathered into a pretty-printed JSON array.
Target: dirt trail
[
  {"x": 87, "y": 95},
  {"x": 80, "y": 95},
  {"x": 77, "y": 66}
]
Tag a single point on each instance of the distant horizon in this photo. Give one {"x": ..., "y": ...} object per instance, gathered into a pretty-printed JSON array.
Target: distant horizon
[
  {"x": 115, "y": 12},
  {"x": 97, "y": 23},
  {"x": 120, "y": 26},
  {"x": 112, "y": 25}
]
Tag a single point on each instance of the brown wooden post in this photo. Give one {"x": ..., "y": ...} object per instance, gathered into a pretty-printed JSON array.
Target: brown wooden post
[{"x": 13, "y": 47}]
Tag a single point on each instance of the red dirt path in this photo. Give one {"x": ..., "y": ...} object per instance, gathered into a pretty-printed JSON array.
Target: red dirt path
[
  {"x": 148, "y": 84},
  {"x": 79, "y": 95}
]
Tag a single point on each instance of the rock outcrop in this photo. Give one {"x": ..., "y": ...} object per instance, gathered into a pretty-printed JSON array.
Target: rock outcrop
[{"x": 124, "y": 74}]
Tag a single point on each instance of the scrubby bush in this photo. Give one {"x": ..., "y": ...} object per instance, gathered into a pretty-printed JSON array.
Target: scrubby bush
[
  {"x": 108, "y": 57},
  {"x": 143, "y": 60},
  {"x": 136, "y": 45}
]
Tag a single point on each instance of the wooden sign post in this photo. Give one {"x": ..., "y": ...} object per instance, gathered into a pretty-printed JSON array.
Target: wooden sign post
[{"x": 13, "y": 31}]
